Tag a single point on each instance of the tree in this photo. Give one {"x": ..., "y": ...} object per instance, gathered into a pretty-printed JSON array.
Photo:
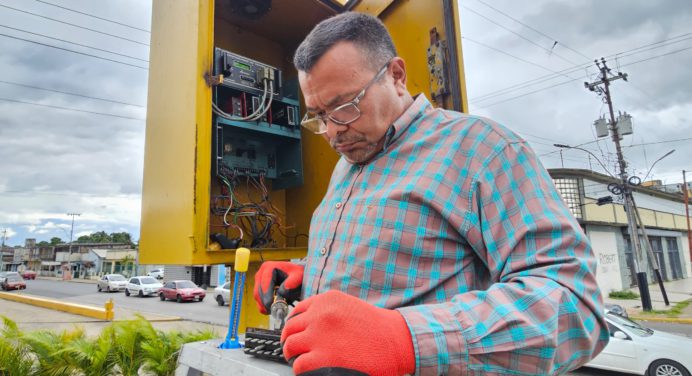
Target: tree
[
  {"x": 43, "y": 243},
  {"x": 56, "y": 240},
  {"x": 121, "y": 237}
]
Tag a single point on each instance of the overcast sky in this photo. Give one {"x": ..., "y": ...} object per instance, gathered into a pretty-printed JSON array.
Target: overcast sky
[{"x": 55, "y": 161}]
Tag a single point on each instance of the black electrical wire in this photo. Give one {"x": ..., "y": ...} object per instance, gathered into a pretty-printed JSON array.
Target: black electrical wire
[
  {"x": 626, "y": 53},
  {"x": 93, "y": 16},
  {"x": 73, "y": 51},
  {"x": 74, "y": 25},
  {"x": 70, "y": 109},
  {"x": 75, "y": 43},
  {"x": 69, "y": 93}
]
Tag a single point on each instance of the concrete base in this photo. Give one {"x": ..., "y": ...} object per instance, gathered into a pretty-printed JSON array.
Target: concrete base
[{"x": 205, "y": 358}]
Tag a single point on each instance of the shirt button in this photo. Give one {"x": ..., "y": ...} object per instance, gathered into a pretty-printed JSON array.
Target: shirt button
[
  {"x": 338, "y": 205},
  {"x": 323, "y": 251}
]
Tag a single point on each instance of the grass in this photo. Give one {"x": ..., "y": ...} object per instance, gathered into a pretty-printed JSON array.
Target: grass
[
  {"x": 675, "y": 311},
  {"x": 626, "y": 294}
]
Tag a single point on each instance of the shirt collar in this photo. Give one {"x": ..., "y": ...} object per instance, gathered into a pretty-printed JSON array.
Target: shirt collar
[{"x": 400, "y": 125}]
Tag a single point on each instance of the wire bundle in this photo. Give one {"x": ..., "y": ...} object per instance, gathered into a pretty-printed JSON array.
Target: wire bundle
[{"x": 253, "y": 218}]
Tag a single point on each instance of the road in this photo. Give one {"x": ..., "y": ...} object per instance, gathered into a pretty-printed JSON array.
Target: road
[{"x": 208, "y": 310}]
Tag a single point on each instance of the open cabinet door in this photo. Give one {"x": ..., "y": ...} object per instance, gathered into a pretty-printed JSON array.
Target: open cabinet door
[{"x": 427, "y": 35}]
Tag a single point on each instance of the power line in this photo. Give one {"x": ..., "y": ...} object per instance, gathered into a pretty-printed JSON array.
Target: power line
[
  {"x": 75, "y": 194},
  {"x": 510, "y": 55},
  {"x": 517, "y": 34},
  {"x": 94, "y": 16},
  {"x": 659, "y": 142},
  {"x": 74, "y": 25},
  {"x": 70, "y": 109},
  {"x": 73, "y": 51},
  {"x": 531, "y": 28},
  {"x": 566, "y": 82},
  {"x": 75, "y": 43},
  {"x": 626, "y": 53},
  {"x": 68, "y": 93}
]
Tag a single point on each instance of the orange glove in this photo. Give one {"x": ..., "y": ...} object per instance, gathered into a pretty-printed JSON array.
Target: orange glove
[
  {"x": 333, "y": 332},
  {"x": 288, "y": 276}
]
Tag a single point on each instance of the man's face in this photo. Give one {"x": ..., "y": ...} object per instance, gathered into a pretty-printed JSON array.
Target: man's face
[{"x": 337, "y": 78}]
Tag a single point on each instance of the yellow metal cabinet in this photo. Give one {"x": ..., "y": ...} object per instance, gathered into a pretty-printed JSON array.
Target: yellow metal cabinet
[{"x": 178, "y": 181}]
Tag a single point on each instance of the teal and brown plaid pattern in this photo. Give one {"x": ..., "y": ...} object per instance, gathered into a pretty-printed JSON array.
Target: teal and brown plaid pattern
[{"x": 458, "y": 226}]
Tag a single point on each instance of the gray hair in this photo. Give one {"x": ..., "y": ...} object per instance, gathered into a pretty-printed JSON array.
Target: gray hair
[{"x": 368, "y": 33}]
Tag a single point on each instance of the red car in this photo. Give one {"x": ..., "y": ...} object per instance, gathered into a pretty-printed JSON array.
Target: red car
[
  {"x": 182, "y": 291},
  {"x": 28, "y": 274},
  {"x": 13, "y": 282}
]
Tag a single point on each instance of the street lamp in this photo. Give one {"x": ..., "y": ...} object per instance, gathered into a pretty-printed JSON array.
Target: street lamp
[
  {"x": 659, "y": 159},
  {"x": 563, "y": 146}
]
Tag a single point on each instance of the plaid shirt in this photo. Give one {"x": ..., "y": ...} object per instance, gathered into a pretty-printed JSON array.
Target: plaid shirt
[{"x": 457, "y": 225}]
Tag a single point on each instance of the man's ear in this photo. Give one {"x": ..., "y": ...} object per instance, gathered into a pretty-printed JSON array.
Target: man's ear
[{"x": 398, "y": 69}]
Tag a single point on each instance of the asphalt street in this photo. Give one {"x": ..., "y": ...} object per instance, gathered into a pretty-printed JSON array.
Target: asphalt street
[{"x": 207, "y": 311}]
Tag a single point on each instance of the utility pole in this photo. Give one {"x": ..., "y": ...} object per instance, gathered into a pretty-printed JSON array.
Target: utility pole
[
  {"x": 604, "y": 81},
  {"x": 72, "y": 232},
  {"x": 687, "y": 212},
  {"x": 2, "y": 250}
]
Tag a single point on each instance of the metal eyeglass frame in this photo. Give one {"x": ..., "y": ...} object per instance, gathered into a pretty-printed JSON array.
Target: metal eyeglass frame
[{"x": 320, "y": 119}]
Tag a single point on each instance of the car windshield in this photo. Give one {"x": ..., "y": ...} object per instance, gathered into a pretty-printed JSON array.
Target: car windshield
[
  {"x": 148, "y": 281},
  {"x": 117, "y": 278},
  {"x": 186, "y": 285},
  {"x": 634, "y": 327}
]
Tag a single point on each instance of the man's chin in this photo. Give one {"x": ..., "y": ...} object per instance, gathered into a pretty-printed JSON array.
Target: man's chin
[{"x": 358, "y": 157}]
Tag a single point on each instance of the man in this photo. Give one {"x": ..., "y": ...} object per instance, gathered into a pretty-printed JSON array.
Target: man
[{"x": 441, "y": 245}]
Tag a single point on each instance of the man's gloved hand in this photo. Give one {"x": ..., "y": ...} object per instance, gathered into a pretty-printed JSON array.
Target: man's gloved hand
[
  {"x": 335, "y": 330},
  {"x": 288, "y": 276}
]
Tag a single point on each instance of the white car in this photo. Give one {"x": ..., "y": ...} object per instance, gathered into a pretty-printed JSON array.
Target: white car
[
  {"x": 636, "y": 349},
  {"x": 156, "y": 273},
  {"x": 143, "y": 285},
  {"x": 111, "y": 282},
  {"x": 4, "y": 275},
  {"x": 222, "y": 294}
]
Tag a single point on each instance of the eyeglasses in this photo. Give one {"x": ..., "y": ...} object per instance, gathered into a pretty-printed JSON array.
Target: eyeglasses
[{"x": 345, "y": 114}]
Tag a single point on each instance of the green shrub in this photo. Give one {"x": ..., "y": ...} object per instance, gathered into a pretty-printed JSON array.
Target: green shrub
[
  {"x": 626, "y": 294},
  {"x": 123, "y": 348}
]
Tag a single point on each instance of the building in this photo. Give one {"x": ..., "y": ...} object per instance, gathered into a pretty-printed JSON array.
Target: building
[
  {"x": 110, "y": 261},
  {"x": 605, "y": 224},
  {"x": 202, "y": 275},
  {"x": 68, "y": 260}
]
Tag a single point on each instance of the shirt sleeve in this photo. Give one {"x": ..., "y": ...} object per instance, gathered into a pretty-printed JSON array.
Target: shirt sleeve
[{"x": 543, "y": 314}]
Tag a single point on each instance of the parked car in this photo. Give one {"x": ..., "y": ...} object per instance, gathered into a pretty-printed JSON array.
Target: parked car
[
  {"x": 28, "y": 274},
  {"x": 142, "y": 285},
  {"x": 111, "y": 282},
  {"x": 636, "y": 349},
  {"x": 13, "y": 282},
  {"x": 156, "y": 273},
  {"x": 4, "y": 275},
  {"x": 223, "y": 294},
  {"x": 182, "y": 290}
]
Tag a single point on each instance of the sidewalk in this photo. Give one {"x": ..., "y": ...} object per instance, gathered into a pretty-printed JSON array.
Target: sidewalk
[
  {"x": 678, "y": 291},
  {"x": 76, "y": 280}
]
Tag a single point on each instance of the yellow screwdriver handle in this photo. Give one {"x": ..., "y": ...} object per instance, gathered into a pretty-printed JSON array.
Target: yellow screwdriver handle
[{"x": 242, "y": 260}]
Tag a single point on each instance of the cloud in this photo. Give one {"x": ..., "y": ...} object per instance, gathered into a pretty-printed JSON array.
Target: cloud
[
  {"x": 58, "y": 161},
  {"x": 656, "y": 93}
]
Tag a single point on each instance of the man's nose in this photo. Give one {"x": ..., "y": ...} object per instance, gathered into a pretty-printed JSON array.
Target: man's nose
[{"x": 333, "y": 129}]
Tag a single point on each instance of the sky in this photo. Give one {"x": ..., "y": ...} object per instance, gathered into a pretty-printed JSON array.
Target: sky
[{"x": 525, "y": 62}]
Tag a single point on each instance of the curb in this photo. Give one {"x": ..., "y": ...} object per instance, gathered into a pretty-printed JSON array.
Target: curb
[
  {"x": 673, "y": 320},
  {"x": 105, "y": 313}
]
